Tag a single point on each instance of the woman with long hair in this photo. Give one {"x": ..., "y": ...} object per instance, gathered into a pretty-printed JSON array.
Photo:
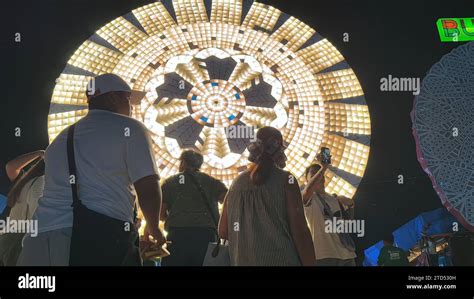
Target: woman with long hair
[
  {"x": 263, "y": 217},
  {"x": 22, "y": 200}
]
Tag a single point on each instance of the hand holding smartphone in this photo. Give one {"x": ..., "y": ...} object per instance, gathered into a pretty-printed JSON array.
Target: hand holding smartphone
[{"x": 325, "y": 156}]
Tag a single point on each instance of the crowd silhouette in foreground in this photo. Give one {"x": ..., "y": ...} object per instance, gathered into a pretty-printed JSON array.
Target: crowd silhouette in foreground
[{"x": 82, "y": 192}]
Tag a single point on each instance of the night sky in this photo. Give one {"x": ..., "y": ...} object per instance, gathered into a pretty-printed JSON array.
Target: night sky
[{"x": 398, "y": 38}]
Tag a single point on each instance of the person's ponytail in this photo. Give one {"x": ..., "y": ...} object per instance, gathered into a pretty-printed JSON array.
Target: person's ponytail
[
  {"x": 266, "y": 153},
  {"x": 260, "y": 172}
]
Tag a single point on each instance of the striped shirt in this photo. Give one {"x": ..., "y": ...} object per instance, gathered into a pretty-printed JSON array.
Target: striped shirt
[{"x": 258, "y": 228}]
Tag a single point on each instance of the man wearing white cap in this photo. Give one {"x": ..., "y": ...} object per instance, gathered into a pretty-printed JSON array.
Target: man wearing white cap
[{"x": 94, "y": 171}]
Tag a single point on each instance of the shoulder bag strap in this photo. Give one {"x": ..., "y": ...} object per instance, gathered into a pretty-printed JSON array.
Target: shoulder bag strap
[
  {"x": 326, "y": 208},
  {"x": 72, "y": 166},
  {"x": 215, "y": 251},
  {"x": 346, "y": 214},
  {"x": 203, "y": 197}
]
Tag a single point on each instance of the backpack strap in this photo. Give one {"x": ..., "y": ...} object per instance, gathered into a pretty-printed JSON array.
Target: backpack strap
[{"x": 203, "y": 197}]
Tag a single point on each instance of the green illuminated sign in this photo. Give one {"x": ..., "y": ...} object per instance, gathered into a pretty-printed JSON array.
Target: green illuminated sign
[{"x": 456, "y": 29}]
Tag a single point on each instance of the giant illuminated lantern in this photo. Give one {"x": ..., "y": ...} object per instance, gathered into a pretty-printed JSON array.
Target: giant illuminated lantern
[{"x": 207, "y": 66}]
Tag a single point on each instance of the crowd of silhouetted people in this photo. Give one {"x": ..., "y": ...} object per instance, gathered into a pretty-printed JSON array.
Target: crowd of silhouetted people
[{"x": 82, "y": 192}]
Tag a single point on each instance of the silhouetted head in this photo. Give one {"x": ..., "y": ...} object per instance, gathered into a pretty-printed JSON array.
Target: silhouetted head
[
  {"x": 117, "y": 102},
  {"x": 190, "y": 161},
  {"x": 388, "y": 240},
  {"x": 311, "y": 171},
  {"x": 266, "y": 153},
  {"x": 111, "y": 93}
]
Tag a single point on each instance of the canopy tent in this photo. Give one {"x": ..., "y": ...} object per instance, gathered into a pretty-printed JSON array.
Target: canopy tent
[{"x": 439, "y": 221}]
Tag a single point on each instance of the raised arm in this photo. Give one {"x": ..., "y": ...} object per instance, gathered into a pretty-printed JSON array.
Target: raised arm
[
  {"x": 298, "y": 226},
  {"x": 311, "y": 187},
  {"x": 14, "y": 167}
]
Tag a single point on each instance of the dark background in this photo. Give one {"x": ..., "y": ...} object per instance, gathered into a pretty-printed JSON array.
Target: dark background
[{"x": 397, "y": 37}]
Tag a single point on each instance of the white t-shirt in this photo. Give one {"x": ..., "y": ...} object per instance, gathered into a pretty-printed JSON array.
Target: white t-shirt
[
  {"x": 27, "y": 201},
  {"x": 112, "y": 152},
  {"x": 326, "y": 245}
]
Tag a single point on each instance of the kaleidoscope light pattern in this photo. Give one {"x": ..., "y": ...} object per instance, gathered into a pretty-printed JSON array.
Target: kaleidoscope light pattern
[
  {"x": 443, "y": 123},
  {"x": 209, "y": 66}
]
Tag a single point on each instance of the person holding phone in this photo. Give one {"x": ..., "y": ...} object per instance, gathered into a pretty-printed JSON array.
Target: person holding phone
[{"x": 331, "y": 249}]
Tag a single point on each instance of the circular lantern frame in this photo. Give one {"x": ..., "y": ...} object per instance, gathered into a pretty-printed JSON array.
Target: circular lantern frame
[{"x": 207, "y": 66}]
